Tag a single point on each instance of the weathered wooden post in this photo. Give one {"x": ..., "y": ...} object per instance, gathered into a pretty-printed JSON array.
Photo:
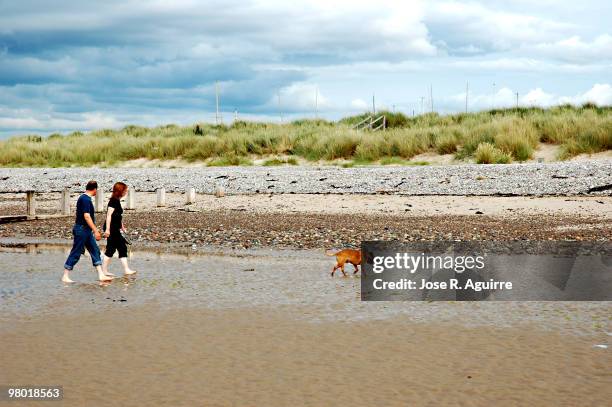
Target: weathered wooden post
[
  {"x": 100, "y": 200},
  {"x": 31, "y": 200},
  {"x": 219, "y": 192},
  {"x": 190, "y": 196},
  {"x": 161, "y": 197},
  {"x": 65, "y": 202},
  {"x": 131, "y": 198}
]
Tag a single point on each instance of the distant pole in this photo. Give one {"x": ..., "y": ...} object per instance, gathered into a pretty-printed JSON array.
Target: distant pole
[
  {"x": 31, "y": 203},
  {"x": 517, "y": 100},
  {"x": 422, "y": 104},
  {"x": 373, "y": 103},
  {"x": 431, "y": 97},
  {"x": 280, "y": 112},
  {"x": 217, "y": 102},
  {"x": 65, "y": 202},
  {"x": 467, "y": 92},
  {"x": 316, "y": 103},
  {"x": 412, "y": 112},
  {"x": 99, "y": 201},
  {"x": 493, "y": 106},
  {"x": 235, "y": 115},
  {"x": 161, "y": 197},
  {"x": 393, "y": 109},
  {"x": 131, "y": 199}
]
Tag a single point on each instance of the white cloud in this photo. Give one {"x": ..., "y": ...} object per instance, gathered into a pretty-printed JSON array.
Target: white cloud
[
  {"x": 600, "y": 94},
  {"x": 575, "y": 49},
  {"x": 29, "y": 120},
  {"x": 359, "y": 104},
  {"x": 506, "y": 64},
  {"x": 537, "y": 97},
  {"x": 471, "y": 24},
  {"x": 299, "y": 97}
]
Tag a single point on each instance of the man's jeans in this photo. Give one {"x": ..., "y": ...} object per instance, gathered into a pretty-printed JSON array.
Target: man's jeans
[{"x": 83, "y": 239}]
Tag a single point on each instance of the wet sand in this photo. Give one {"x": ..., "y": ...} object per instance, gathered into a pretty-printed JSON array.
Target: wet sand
[
  {"x": 136, "y": 357},
  {"x": 270, "y": 327}
]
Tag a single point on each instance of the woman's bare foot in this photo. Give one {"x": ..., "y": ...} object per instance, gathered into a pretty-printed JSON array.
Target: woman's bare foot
[
  {"x": 104, "y": 277},
  {"x": 126, "y": 269},
  {"x": 105, "y": 263},
  {"x": 66, "y": 277}
]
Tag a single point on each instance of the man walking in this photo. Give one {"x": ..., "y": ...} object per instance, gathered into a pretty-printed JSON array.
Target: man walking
[{"x": 85, "y": 235}]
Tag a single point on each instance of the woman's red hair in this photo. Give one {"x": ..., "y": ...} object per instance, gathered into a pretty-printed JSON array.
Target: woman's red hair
[{"x": 119, "y": 190}]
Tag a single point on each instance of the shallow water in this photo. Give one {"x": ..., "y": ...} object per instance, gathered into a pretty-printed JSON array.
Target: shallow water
[{"x": 295, "y": 280}]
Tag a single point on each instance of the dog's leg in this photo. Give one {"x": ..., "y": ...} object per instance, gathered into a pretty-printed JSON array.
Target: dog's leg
[
  {"x": 356, "y": 268},
  {"x": 342, "y": 268},
  {"x": 334, "y": 270}
]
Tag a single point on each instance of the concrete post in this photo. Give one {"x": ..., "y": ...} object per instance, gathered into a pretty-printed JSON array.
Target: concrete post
[
  {"x": 65, "y": 202},
  {"x": 31, "y": 201},
  {"x": 190, "y": 196},
  {"x": 99, "y": 200},
  {"x": 219, "y": 192},
  {"x": 161, "y": 197},
  {"x": 131, "y": 198}
]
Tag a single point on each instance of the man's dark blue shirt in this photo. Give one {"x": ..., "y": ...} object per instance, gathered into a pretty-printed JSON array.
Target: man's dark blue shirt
[{"x": 84, "y": 205}]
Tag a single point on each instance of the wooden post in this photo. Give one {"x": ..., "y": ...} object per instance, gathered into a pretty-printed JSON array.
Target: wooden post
[
  {"x": 131, "y": 198},
  {"x": 100, "y": 200},
  {"x": 219, "y": 192},
  {"x": 65, "y": 202},
  {"x": 190, "y": 196},
  {"x": 31, "y": 200},
  {"x": 161, "y": 197}
]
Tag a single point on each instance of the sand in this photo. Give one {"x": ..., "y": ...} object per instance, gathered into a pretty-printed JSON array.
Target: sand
[
  {"x": 271, "y": 328},
  {"x": 151, "y": 357},
  {"x": 601, "y": 206}
]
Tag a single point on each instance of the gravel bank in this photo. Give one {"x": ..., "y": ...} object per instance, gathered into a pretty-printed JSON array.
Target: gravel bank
[
  {"x": 237, "y": 229},
  {"x": 565, "y": 178}
]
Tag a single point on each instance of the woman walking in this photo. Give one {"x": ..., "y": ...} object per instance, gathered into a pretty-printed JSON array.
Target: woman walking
[{"x": 113, "y": 228}]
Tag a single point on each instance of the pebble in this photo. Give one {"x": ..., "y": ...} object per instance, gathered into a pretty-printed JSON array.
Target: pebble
[{"x": 536, "y": 179}]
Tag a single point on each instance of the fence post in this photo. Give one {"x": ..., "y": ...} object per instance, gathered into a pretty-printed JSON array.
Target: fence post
[
  {"x": 190, "y": 196},
  {"x": 161, "y": 197},
  {"x": 65, "y": 202},
  {"x": 131, "y": 198},
  {"x": 99, "y": 200},
  {"x": 31, "y": 203}
]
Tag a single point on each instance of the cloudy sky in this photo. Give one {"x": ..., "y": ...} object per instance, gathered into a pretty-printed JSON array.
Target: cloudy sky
[{"x": 67, "y": 65}]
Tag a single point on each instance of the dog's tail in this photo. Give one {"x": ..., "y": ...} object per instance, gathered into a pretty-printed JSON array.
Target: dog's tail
[{"x": 327, "y": 253}]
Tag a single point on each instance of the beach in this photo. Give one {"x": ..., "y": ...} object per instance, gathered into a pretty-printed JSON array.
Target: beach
[
  {"x": 233, "y": 303},
  {"x": 270, "y": 327}
]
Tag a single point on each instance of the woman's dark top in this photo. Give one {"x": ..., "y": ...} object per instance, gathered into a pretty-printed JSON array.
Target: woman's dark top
[{"x": 117, "y": 216}]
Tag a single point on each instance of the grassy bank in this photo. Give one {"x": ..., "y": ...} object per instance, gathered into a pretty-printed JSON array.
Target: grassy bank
[{"x": 497, "y": 136}]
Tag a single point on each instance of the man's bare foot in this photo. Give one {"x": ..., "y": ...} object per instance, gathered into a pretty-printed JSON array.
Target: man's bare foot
[
  {"x": 129, "y": 272},
  {"x": 104, "y": 277},
  {"x": 109, "y": 274},
  {"x": 66, "y": 278}
]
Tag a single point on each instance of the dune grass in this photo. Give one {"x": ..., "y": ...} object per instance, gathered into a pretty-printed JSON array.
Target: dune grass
[{"x": 490, "y": 136}]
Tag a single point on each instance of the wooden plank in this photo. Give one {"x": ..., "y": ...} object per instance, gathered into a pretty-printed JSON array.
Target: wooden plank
[{"x": 13, "y": 218}]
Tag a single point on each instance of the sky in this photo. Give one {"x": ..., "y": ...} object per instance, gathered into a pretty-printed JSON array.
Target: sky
[{"x": 72, "y": 65}]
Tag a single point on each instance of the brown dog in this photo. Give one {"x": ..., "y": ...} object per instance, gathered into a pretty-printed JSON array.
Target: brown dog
[{"x": 346, "y": 256}]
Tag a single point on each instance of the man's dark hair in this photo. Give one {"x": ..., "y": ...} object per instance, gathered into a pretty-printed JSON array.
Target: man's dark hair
[{"x": 91, "y": 185}]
